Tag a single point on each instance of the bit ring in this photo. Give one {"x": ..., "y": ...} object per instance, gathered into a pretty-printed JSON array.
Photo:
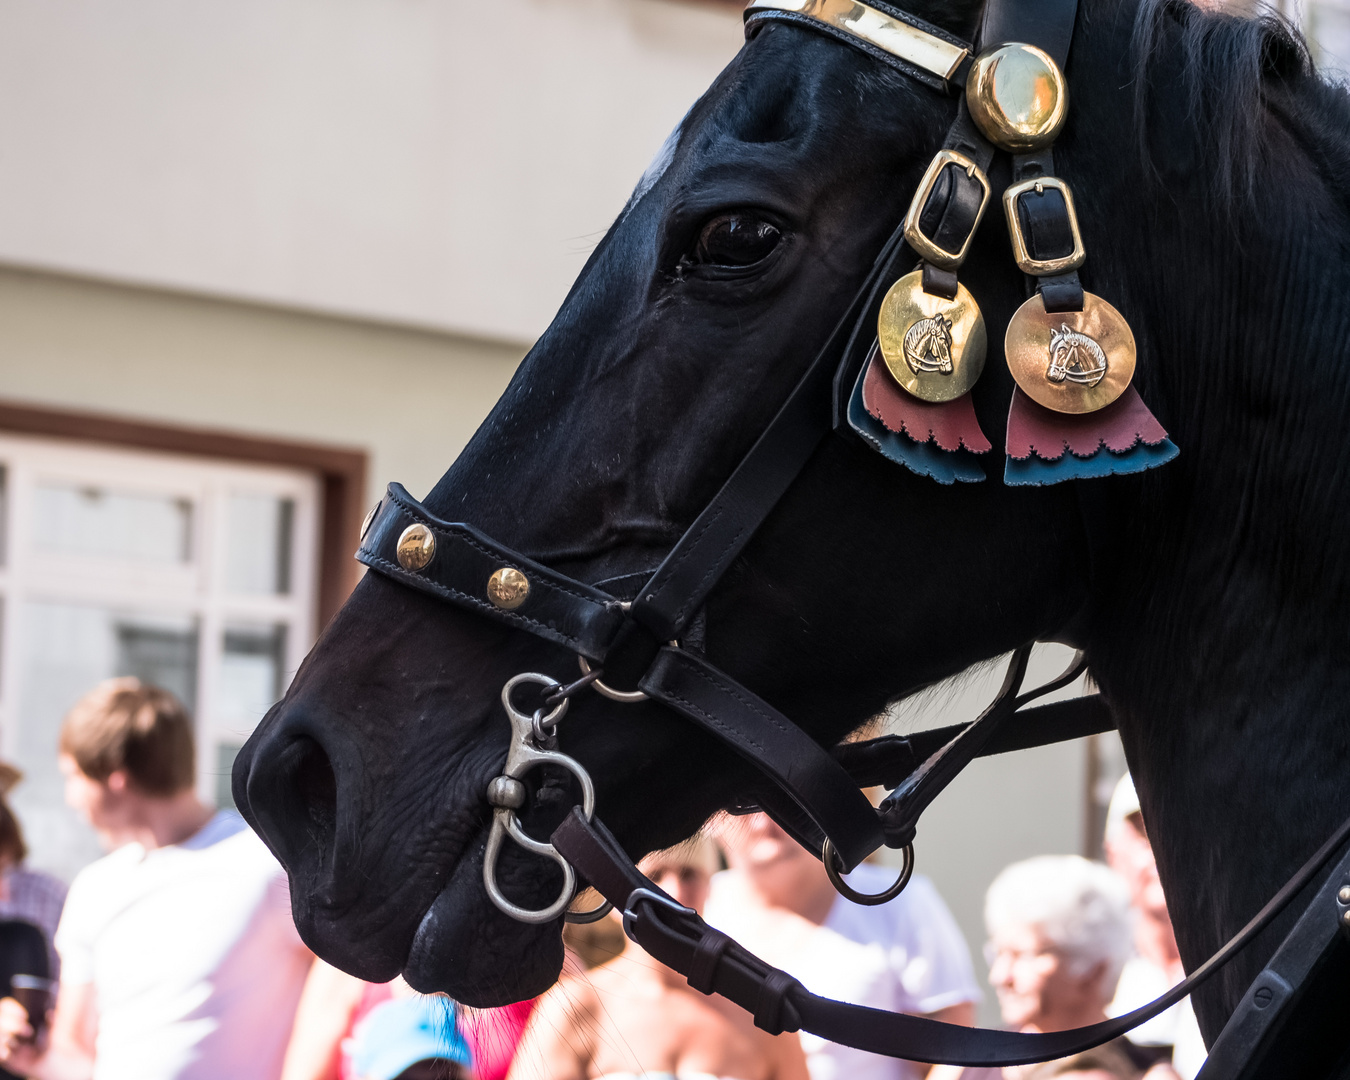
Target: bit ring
[
  {"x": 626, "y": 697},
  {"x": 844, "y": 889}
]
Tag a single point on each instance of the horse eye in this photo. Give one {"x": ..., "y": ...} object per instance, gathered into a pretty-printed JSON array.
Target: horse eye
[{"x": 735, "y": 240}]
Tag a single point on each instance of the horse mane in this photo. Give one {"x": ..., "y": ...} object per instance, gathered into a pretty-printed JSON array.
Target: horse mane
[{"x": 1234, "y": 70}]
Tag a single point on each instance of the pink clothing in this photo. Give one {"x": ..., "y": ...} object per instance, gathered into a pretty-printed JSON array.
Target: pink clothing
[
  {"x": 373, "y": 994},
  {"x": 493, "y": 1035}
]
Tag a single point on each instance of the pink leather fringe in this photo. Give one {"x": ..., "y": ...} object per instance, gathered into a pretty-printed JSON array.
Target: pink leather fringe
[
  {"x": 1122, "y": 425},
  {"x": 951, "y": 425}
]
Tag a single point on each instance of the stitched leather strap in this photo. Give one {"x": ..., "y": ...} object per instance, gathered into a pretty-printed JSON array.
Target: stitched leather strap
[
  {"x": 583, "y": 619},
  {"x": 672, "y": 934},
  {"x": 781, "y": 750}
]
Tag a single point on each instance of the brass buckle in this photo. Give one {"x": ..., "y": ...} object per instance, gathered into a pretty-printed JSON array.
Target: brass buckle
[
  {"x": 1025, "y": 263},
  {"x": 922, "y": 245}
]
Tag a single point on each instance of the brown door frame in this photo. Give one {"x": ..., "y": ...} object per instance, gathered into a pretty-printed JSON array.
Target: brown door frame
[{"x": 341, "y": 471}]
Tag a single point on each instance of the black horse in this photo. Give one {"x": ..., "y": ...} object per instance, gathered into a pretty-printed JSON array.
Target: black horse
[{"x": 1212, "y": 596}]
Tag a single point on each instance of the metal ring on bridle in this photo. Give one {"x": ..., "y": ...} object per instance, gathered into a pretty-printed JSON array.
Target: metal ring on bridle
[
  {"x": 627, "y": 697},
  {"x": 828, "y": 857},
  {"x": 541, "y": 722}
]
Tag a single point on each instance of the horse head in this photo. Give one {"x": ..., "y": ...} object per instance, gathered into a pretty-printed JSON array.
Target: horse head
[{"x": 684, "y": 334}]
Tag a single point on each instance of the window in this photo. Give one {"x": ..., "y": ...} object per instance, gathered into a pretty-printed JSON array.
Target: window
[{"x": 191, "y": 573}]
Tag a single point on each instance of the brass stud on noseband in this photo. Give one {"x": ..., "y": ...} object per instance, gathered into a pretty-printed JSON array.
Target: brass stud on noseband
[
  {"x": 415, "y": 547},
  {"x": 508, "y": 588},
  {"x": 1018, "y": 97}
]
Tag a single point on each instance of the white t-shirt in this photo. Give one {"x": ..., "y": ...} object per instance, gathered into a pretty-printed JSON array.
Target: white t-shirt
[
  {"x": 906, "y": 956},
  {"x": 196, "y": 964},
  {"x": 1141, "y": 982}
]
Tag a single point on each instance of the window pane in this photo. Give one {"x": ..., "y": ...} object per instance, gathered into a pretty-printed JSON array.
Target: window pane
[
  {"x": 73, "y": 519},
  {"x": 250, "y": 682},
  {"x": 66, "y": 650},
  {"x": 258, "y": 549}
]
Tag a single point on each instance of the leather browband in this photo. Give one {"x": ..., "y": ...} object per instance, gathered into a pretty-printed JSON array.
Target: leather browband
[{"x": 887, "y": 32}]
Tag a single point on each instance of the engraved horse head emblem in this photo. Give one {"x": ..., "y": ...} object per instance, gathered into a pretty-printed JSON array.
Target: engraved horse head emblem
[
  {"x": 1075, "y": 357},
  {"x": 928, "y": 345}
]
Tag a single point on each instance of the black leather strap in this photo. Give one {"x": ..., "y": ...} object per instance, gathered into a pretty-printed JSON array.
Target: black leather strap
[
  {"x": 888, "y": 761},
  {"x": 673, "y": 934},
  {"x": 796, "y": 763},
  {"x": 952, "y": 211},
  {"x": 707, "y": 955},
  {"x": 1045, "y": 227},
  {"x": 939, "y": 282},
  {"x": 1254, "y": 1042},
  {"x": 1047, "y": 24},
  {"x": 557, "y": 608},
  {"x": 1045, "y": 224},
  {"x": 900, "y": 811}
]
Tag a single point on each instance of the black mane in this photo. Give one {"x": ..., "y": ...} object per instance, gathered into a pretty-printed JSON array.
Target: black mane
[{"x": 1235, "y": 73}]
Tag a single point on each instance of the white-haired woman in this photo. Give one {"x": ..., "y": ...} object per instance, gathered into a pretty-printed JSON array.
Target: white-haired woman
[{"x": 1060, "y": 931}]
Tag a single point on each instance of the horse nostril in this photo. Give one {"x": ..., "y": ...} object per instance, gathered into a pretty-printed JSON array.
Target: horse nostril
[
  {"x": 292, "y": 794},
  {"x": 316, "y": 787}
]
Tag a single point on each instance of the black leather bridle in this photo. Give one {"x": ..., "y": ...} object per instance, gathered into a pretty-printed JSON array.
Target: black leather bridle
[{"x": 814, "y": 793}]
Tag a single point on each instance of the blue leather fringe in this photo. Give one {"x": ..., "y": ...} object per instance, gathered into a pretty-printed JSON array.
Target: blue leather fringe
[
  {"x": 944, "y": 466},
  {"x": 1036, "y": 471}
]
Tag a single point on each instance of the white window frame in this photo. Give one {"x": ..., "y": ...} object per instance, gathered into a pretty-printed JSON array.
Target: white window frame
[{"x": 197, "y": 590}]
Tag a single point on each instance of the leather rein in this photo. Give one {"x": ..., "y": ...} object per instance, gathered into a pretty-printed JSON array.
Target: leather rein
[{"x": 813, "y": 792}]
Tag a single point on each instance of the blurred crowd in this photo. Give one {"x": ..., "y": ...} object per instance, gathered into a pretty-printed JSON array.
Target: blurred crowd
[{"x": 174, "y": 957}]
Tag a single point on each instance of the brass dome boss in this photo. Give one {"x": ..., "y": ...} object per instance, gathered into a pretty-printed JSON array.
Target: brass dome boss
[
  {"x": 1017, "y": 96},
  {"x": 416, "y": 546},
  {"x": 507, "y": 588}
]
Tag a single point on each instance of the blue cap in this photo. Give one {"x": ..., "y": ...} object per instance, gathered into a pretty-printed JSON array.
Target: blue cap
[{"x": 398, "y": 1034}]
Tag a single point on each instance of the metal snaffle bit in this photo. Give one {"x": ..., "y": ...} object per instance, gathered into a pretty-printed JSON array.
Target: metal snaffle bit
[{"x": 506, "y": 794}]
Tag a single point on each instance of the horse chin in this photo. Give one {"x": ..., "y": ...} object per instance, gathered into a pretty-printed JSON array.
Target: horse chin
[{"x": 466, "y": 948}]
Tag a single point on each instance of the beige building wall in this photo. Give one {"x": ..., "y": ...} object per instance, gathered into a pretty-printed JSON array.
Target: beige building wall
[
  {"x": 444, "y": 163},
  {"x": 410, "y": 398}
]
